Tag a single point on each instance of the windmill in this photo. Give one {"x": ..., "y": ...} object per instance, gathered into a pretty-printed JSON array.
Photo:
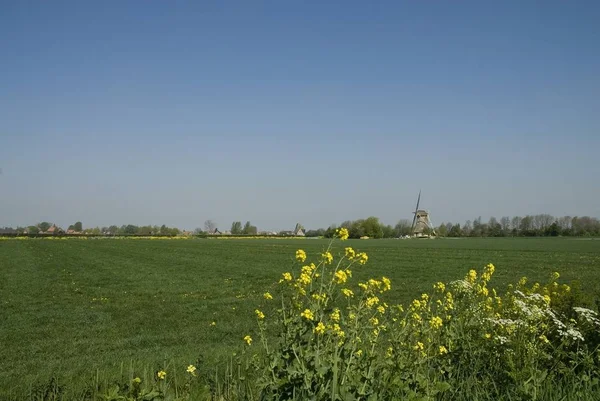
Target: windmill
[{"x": 421, "y": 225}]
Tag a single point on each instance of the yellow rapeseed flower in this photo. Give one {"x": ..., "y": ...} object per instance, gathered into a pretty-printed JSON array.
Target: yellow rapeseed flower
[
  {"x": 320, "y": 329},
  {"x": 387, "y": 284},
  {"x": 350, "y": 254},
  {"x": 439, "y": 286},
  {"x": 287, "y": 276},
  {"x": 335, "y": 315},
  {"x": 544, "y": 339},
  {"x": 191, "y": 369},
  {"x": 443, "y": 350},
  {"x": 487, "y": 336},
  {"x": 300, "y": 255},
  {"x": 342, "y": 233},
  {"x": 363, "y": 286},
  {"x": 419, "y": 346},
  {"x": 358, "y": 352},
  {"x": 471, "y": 277},
  {"x": 267, "y": 296},
  {"x": 347, "y": 292},
  {"x": 161, "y": 375},
  {"x": 137, "y": 380},
  {"x": 436, "y": 322},
  {"x": 372, "y": 301},
  {"x": 327, "y": 257},
  {"x": 248, "y": 340},
  {"x": 374, "y": 321},
  {"x": 259, "y": 314},
  {"x": 341, "y": 276},
  {"x": 307, "y": 314},
  {"x": 381, "y": 309},
  {"x": 319, "y": 297},
  {"x": 304, "y": 279},
  {"x": 555, "y": 276},
  {"x": 213, "y": 323},
  {"x": 362, "y": 258}
]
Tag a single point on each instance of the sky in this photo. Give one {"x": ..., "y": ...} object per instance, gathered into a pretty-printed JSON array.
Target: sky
[{"x": 160, "y": 112}]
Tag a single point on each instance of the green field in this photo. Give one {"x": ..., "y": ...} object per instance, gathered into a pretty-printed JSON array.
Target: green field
[{"x": 71, "y": 307}]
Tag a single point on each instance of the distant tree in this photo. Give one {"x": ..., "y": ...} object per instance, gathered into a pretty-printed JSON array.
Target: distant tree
[
  {"x": 44, "y": 226},
  {"x": 315, "y": 233},
  {"x": 388, "y": 231},
  {"x": 144, "y": 230},
  {"x": 455, "y": 231},
  {"x": 442, "y": 231},
  {"x": 402, "y": 227},
  {"x": 130, "y": 229},
  {"x": 249, "y": 229},
  {"x": 33, "y": 229},
  {"x": 198, "y": 231},
  {"x": 564, "y": 223},
  {"x": 210, "y": 226},
  {"x": 78, "y": 226},
  {"x": 553, "y": 230},
  {"x": 372, "y": 227},
  {"x": 494, "y": 229},
  {"x": 505, "y": 225},
  {"x": 236, "y": 228},
  {"x": 526, "y": 227},
  {"x": 467, "y": 228},
  {"x": 113, "y": 230}
]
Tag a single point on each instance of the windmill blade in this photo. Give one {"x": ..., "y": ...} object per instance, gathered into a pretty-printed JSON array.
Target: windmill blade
[{"x": 416, "y": 209}]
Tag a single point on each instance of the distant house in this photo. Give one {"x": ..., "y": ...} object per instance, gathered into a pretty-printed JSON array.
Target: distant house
[
  {"x": 8, "y": 231},
  {"x": 55, "y": 230}
]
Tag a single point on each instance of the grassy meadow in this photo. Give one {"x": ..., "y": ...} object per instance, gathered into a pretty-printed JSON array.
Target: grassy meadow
[{"x": 72, "y": 307}]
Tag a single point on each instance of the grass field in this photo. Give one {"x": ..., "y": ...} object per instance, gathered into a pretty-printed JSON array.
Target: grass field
[{"x": 71, "y": 307}]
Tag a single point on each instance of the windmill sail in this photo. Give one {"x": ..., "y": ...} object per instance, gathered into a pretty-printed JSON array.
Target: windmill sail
[{"x": 416, "y": 209}]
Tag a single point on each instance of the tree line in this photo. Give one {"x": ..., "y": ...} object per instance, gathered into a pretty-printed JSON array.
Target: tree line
[
  {"x": 517, "y": 226},
  {"x": 538, "y": 225}
]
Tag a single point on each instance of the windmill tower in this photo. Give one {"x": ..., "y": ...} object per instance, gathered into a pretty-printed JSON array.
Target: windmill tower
[{"x": 421, "y": 226}]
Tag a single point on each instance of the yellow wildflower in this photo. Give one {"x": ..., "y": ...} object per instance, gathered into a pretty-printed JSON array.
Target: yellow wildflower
[
  {"x": 544, "y": 339},
  {"x": 547, "y": 299},
  {"x": 137, "y": 380},
  {"x": 342, "y": 233},
  {"x": 267, "y": 296},
  {"x": 327, "y": 257},
  {"x": 381, "y": 309},
  {"x": 389, "y": 352},
  {"x": 350, "y": 253},
  {"x": 191, "y": 369},
  {"x": 555, "y": 276},
  {"x": 213, "y": 323},
  {"x": 387, "y": 284},
  {"x": 363, "y": 286},
  {"x": 300, "y": 255},
  {"x": 358, "y": 352},
  {"x": 337, "y": 330},
  {"x": 372, "y": 301},
  {"x": 259, "y": 314},
  {"x": 307, "y": 314},
  {"x": 471, "y": 277},
  {"x": 248, "y": 340},
  {"x": 161, "y": 375},
  {"x": 320, "y": 329},
  {"x": 374, "y": 321},
  {"x": 304, "y": 279},
  {"x": 443, "y": 350},
  {"x": 436, "y": 322},
  {"x": 352, "y": 316},
  {"x": 341, "y": 276},
  {"x": 335, "y": 315},
  {"x": 439, "y": 286},
  {"x": 287, "y": 276},
  {"x": 319, "y": 297},
  {"x": 487, "y": 336},
  {"x": 362, "y": 258},
  {"x": 419, "y": 346},
  {"x": 347, "y": 292}
]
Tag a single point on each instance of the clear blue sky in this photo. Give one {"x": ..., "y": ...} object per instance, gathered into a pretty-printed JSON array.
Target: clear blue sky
[{"x": 157, "y": 112}]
